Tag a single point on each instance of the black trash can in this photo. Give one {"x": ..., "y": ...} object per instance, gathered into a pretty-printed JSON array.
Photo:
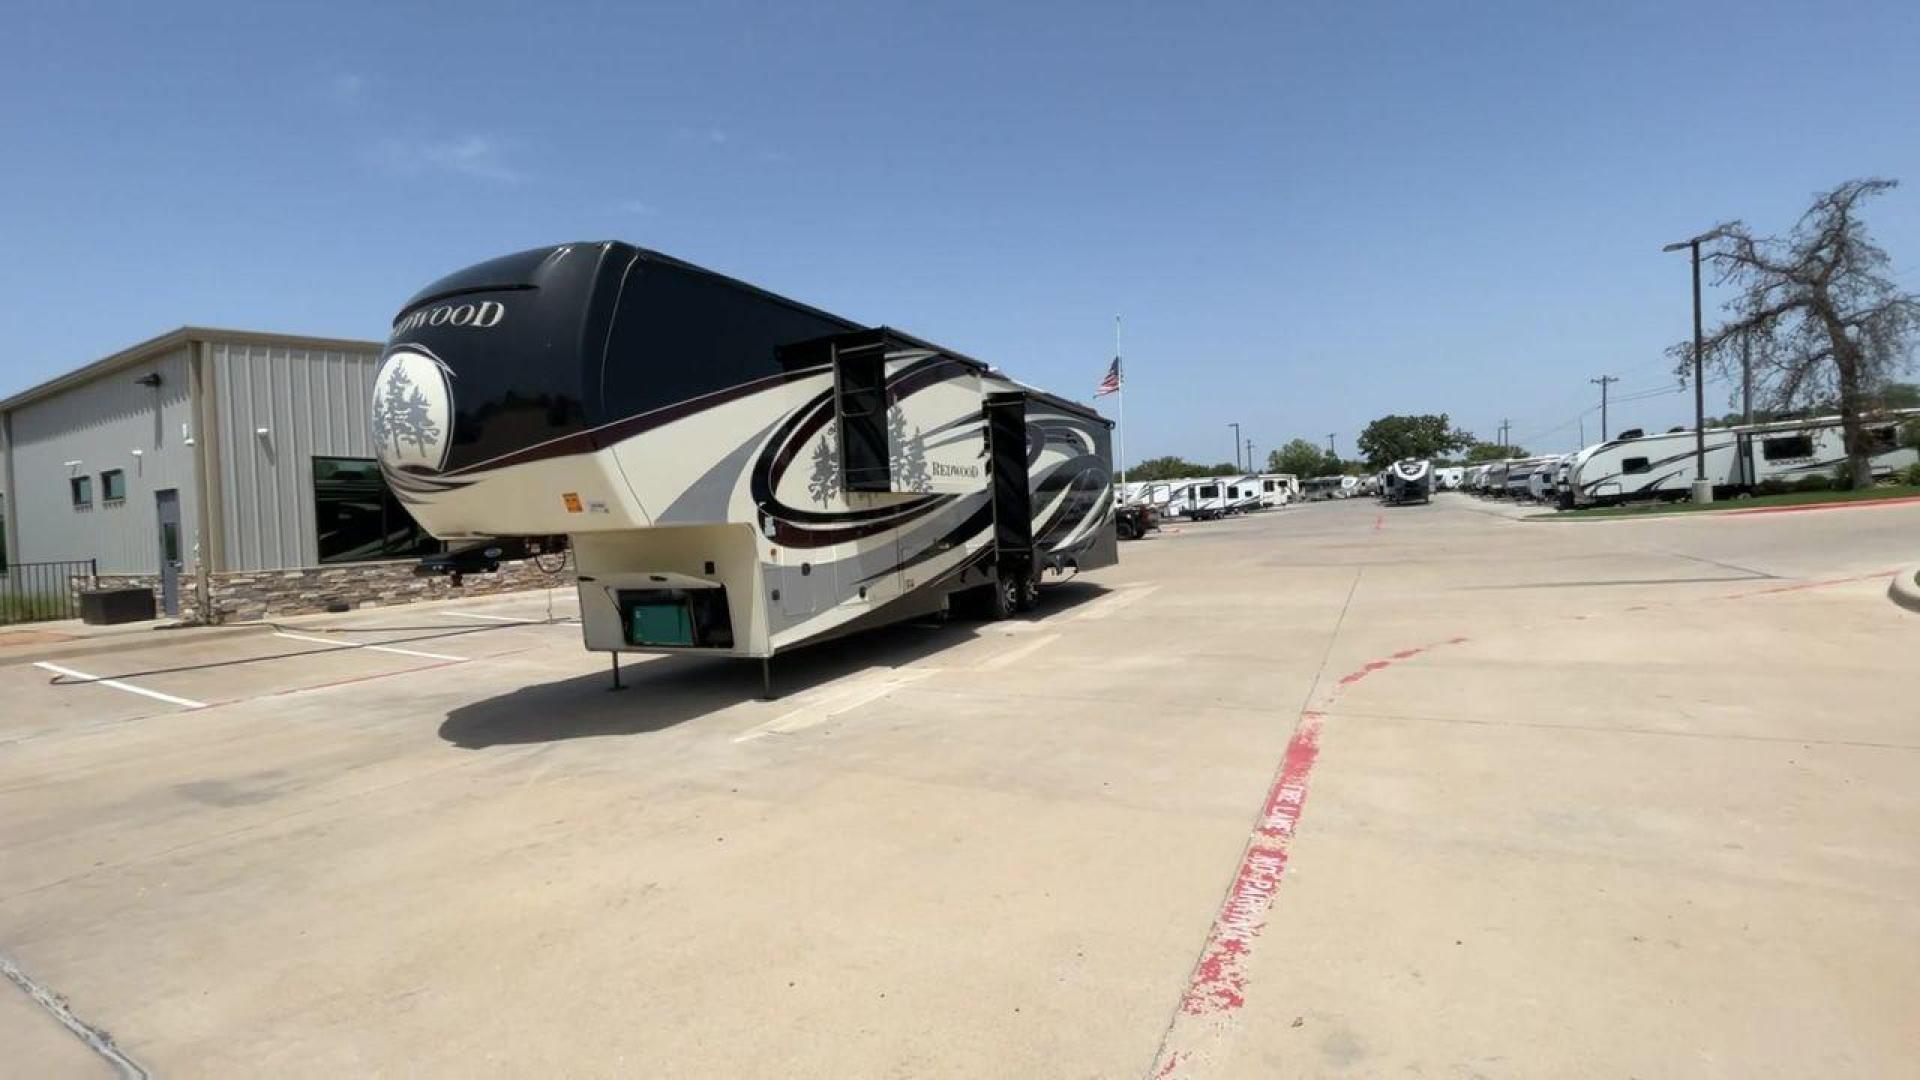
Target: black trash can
[{"x": 103, "y": 607}]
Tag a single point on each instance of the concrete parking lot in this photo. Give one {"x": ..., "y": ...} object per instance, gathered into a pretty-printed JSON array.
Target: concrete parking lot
[{"x": 1335, "y": 790}]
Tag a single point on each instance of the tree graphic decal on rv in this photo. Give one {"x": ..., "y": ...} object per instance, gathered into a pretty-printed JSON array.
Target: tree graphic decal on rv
[
  {"x": 823, "y": 486},
  {"x": 405, "y": 414},
  {"x": 908, "y": 462}
]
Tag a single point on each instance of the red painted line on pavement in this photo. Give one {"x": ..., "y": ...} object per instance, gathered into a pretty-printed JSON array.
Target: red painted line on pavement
[
  {"x": 1800, "y": 585},
  {"x": 1219, "y": 980},
  {"x": 1218, "y": 983},
  {"x": 1379, "y": 522}
]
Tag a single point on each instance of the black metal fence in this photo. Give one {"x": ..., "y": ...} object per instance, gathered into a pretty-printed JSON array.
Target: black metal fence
[{"x": 38, "y": 591}]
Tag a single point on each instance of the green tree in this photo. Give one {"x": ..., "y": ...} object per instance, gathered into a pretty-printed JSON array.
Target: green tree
[
  {"x": 1166, "y": 468},
  {"x": 1392, "y": 438},
  {"x": 1299, "y": 457},
  {"x": 1486, "y": 451}
]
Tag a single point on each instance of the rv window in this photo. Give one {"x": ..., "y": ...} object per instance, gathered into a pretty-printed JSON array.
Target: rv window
[
  {"x": 1269, "y": 485},
  {"x": 1787, "y": 446},
  {"x": 860, "y": 387},
  {"x": 1208, "y": 492},
  {"x": 1882, "y": 440},
  {"x": 1636, "y": 465},
  {"x": 357, "y": 519}
]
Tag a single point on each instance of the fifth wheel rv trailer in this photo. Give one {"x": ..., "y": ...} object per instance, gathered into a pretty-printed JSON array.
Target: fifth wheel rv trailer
[
  {"x": 1407, "y": 481},
  {"x": 736, "y": 473},
  {"x": 1738, "y": 458}
]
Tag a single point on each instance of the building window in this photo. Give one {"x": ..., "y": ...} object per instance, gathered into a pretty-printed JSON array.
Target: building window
[
  {"x": 81, "y": 488},
  {"x": 1787, "y": 447},
  {"x": 1636, "y": 465},
  {"x": 357, "y": 519},
  {"x": 113, "y": 485}
]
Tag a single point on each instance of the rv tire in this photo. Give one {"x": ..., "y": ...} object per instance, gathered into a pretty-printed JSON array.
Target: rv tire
[
  {"x": 1029, "y": 597},
  {"x": 1003, "y": 598}
]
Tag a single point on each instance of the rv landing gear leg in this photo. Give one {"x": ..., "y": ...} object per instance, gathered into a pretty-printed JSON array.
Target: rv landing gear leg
[
  {"x": 766, "y": 678},
  {"x": 616, "y": 672}
]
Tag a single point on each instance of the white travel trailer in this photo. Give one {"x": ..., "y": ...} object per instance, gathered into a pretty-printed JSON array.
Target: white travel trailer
[
  {"x": 735, "y": 473},
  {"x": 1738, "y": 459},
  {"x": 1790, "y": 450},
  {"x": 1147, "y": 492},
  {"x": 1199, "y": 499},
  {"x": 1449, "y": 477},
  {"x": 1278, "y": 489},
  {"x": 1244, "y": 494},
  {"x": 1541, "y": 481},
  {"x": 1521, "y": 476}
]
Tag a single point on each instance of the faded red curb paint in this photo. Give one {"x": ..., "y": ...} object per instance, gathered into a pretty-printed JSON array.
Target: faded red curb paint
[
  {"x": 1799, "y": 586},
  {"x": 1217, "y": 986},
  {"x": 1219, "y": 980}
]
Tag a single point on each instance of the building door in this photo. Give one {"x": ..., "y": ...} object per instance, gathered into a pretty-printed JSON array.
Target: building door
[{"x": 167, "y": 506}]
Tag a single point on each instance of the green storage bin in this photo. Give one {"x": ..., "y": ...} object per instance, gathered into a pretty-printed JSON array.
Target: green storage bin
[{"x": 663, "y": 623}]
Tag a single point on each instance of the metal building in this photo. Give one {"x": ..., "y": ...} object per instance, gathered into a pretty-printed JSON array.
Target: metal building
[{"x": 197, "y": 460}]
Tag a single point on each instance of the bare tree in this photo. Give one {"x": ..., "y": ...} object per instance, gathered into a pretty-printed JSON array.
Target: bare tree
[{"x": 1821, "y": 320}]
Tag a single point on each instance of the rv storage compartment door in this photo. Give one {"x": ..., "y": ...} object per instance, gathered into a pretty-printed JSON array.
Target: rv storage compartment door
[{"x": 676, "y": 618}]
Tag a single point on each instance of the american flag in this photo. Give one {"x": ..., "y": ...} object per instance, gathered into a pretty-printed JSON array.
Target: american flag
[{"x": 1110, "y": 384}]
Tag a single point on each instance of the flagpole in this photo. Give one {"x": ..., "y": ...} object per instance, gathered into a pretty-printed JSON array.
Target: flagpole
[{"x": 1120, "y": 408}]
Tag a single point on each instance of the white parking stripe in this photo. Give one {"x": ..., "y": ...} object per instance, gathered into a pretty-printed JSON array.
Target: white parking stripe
[
  {"x": 857, "y": 692},
  {"x": 1113, "y": 602},
  {"x": 1018, "y": 652},
  {"x": 118, "y": 685},
  {"x": 376, "y": 648},
  {"x": 489, "y": 618}
]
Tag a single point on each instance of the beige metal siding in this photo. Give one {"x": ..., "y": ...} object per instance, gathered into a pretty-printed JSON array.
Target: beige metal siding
[
  {"x": 312, "y": 402},
  {"x": 100, "y": 424}
]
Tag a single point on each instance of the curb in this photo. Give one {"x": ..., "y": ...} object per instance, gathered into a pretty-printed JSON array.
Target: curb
[
  {"x": 1734, "y": 510},
  {"x": 1905, "y": 589}
]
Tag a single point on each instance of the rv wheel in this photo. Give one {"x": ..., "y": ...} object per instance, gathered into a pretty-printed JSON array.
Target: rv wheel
[
  {"x": 1003, "y": 599},
  {"x": 1029, "y": 593}
]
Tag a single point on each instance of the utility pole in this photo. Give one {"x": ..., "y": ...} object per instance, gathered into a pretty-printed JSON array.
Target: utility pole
[
  {"x": 1746, "y": 378},
  {"x": 1504, "y": 426},
  {"x": 1330, "y": 452},
  {"x": 1249, "y": 455},
  {"x": 1236, "y": 444},
  {"x": 1602, "y": 382},
  {"x": 1702, "y": 487}
]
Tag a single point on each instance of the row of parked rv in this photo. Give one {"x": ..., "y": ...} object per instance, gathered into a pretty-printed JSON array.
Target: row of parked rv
[
  {"x": 1207, "y": 497},
  {"x": 1739, "y": 460}
]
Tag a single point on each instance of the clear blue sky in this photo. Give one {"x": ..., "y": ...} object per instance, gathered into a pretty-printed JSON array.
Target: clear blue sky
[{"x": 1309, "y": 214}]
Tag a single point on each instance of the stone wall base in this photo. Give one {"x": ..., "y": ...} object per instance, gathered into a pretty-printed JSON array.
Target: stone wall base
[{"x": 244, "y": 596}]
